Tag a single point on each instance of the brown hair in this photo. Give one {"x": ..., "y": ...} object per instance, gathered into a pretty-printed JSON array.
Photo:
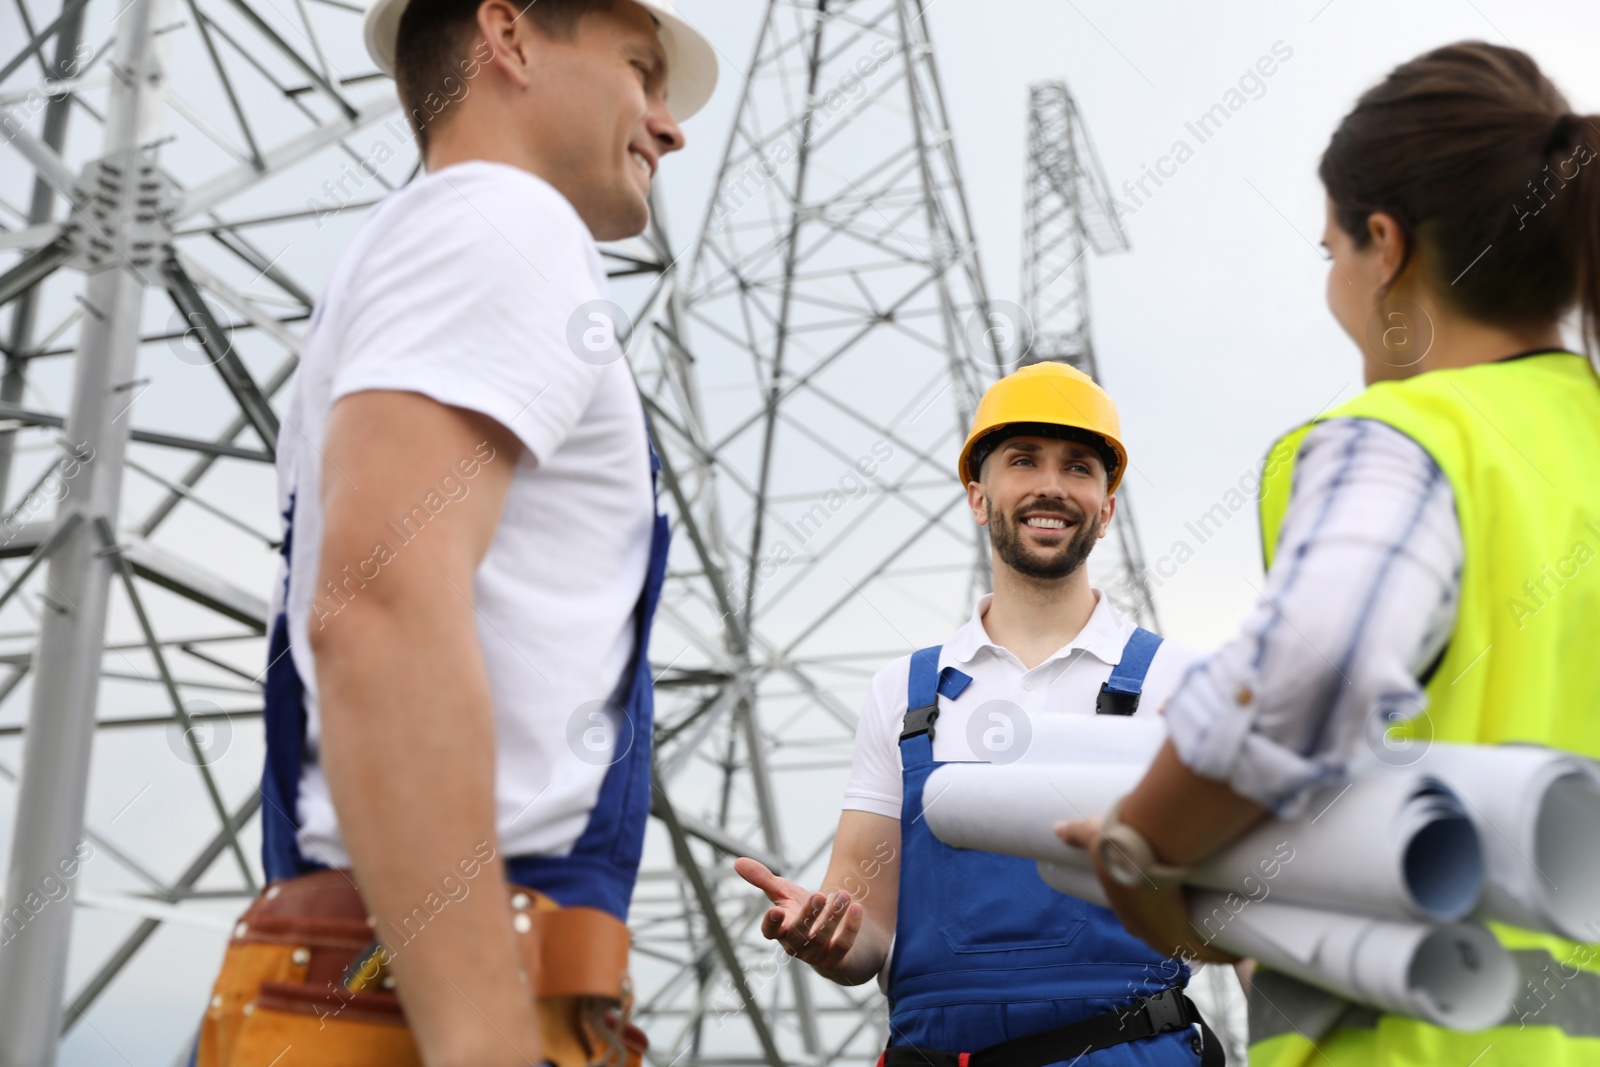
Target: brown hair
[
  {"x": 433, "y": 67},
  {"x": 1493, "y": 182}
]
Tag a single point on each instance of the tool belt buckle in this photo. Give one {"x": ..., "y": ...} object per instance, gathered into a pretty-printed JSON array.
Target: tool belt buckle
[{"x": 1165, "y": 1011}]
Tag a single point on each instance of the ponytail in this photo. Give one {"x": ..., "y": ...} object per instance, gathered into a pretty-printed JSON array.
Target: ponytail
[
  {"x": 1494, "y": 184},
  {"x": 1586, "y": 228}
]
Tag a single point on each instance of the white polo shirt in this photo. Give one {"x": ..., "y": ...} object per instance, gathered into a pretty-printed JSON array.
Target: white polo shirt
[
  {"x": 469, "y": 286},
  {"x": 1066, "y": 683}
]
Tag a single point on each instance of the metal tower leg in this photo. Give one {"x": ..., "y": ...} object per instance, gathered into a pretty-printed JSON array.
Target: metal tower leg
[
  {"x": 55, "y": 775},
  {"x": 44, "y": 195}
]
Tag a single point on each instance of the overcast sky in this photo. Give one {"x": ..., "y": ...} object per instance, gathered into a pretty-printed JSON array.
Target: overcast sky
[{"x": 1211, "y": 333}]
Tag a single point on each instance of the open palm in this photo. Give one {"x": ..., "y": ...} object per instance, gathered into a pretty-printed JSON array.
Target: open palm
[{"x": 813, "y": 927}]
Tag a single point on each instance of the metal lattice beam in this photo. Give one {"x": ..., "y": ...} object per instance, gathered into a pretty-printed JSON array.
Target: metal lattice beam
[
  {"x": 55, "y": 768},
  {"x": 822, "y": 330},
  {"x": 97, "y": 236},
  {"x": 1069, "y": 213},
  {"x": 808, "y": 377}
]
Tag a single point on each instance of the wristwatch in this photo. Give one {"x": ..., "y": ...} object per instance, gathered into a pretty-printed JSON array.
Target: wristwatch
[{"x": 1129, "y": 859}]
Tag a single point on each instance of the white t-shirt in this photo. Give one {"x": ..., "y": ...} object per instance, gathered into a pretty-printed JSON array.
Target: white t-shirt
[
  {"x": 1065, "y": 684},
  {"x": 463, "y": 286}
]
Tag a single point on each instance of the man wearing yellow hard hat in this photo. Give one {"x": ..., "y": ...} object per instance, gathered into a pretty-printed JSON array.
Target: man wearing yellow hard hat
[
  {"x": 977, "y": 954},
  {"x": 472, "y": 556}
]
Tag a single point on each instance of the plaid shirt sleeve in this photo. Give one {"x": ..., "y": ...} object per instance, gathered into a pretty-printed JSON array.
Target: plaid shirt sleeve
[{"x": 1358, "y": 605}]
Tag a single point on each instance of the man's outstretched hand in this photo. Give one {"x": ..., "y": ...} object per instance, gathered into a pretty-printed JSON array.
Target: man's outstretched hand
[{"x": 812, "y": 927}]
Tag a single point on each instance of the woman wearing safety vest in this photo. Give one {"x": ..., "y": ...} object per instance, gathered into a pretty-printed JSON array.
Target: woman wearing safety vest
[{"x": 1430, "y": 545}]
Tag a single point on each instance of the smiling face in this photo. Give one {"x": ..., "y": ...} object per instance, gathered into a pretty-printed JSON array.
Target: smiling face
[
  {"x": 1045, "y": 503},
  {"x": 595, "y": 111}
]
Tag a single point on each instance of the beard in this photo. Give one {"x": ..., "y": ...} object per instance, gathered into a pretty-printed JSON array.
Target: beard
[{"x": 1048, "y": 565}]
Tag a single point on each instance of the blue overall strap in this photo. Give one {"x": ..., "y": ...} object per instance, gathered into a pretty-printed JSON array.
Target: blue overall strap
[
  {"x": 1120, "y": 693},
  {"x": 284, "y": 717},
  {"x": 923, "y": 687},
  {"x": 602, "y": 867}
]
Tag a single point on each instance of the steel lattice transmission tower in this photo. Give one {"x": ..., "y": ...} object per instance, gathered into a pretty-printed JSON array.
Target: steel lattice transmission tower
[
  {"x": 176, "y": 180},
  {"x": 179, "y": 179},
  {"x": 1069, "y": 211},
  {"x": 811, "y": 384}
]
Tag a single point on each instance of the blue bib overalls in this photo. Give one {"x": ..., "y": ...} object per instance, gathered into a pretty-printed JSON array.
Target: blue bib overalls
[
  {"x": 603, "y": 865},
  {"x": 984, "y": 951}
]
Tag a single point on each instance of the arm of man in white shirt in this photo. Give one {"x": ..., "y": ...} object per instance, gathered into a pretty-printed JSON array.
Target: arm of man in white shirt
[
  {"x": 407, "y": 724},
  {"x": 845, "y": 930}
]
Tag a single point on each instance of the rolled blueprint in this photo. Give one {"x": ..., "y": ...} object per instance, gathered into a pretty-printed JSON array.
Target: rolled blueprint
[
  {"x": 1093, "y": 739},
  {"x": 1074, "y": 881},
  {"x": 1014, "y": 809},
  {"x": 1538, "y": 814},
  {"x": 1393, "y": 844},
  {"x": 1536, "y": 811},
  {"x": 1455, "y": 975}
]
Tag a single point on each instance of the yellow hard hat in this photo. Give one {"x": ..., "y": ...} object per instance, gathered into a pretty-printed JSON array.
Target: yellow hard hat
[{"x": 1047, "y": 395}]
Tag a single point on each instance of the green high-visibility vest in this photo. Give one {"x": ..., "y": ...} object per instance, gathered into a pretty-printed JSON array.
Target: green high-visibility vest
[{"x": 1519, "y": 441}]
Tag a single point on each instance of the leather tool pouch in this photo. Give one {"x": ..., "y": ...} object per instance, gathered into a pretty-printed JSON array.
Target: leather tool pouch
[{"x": 281, "y": 996}]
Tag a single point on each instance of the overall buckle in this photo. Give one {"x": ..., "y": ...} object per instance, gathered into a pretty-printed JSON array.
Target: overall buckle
[
  {"x": 1115, "y": 702},
  {"x": 920, "y": 721},
  {"x": 1165, "y": 1011}
]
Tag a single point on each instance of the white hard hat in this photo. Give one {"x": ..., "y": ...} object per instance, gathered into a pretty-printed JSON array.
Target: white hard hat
[{"x": 691, "y": 61}]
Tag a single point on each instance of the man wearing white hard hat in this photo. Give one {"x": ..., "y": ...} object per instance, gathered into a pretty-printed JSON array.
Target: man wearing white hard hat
[{"x": 458, "y": 701}]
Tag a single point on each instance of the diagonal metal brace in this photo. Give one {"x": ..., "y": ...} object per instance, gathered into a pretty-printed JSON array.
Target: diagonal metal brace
[
  {"x": 39, "y": 39},
  {"x": 192, "y": 306},
  {"x": 662, "y": 808},
  {"x": 34, "y": 268},
  {"x": 125, "y": 572},
  {"x": 46, "y": 548},
  {"x": 192, "y": 874},
  {"x": 289, "y": 52}
]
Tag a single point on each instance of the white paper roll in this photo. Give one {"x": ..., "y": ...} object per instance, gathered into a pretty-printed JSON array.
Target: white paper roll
[
  {"x": 1014, "y": 809},
  {"x": 1536, "y": 811},
  {"x": 1074, "y": 881},
  {"x": 1538, "y": 814},
  {"x": 1095, "y": 739},
  {"x": 1394, "y": 844},
  {"x": 1455, "y": 975}
]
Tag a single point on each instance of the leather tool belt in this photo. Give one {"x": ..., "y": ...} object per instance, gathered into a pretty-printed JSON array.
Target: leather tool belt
[{"x": 300, "y": 962}]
